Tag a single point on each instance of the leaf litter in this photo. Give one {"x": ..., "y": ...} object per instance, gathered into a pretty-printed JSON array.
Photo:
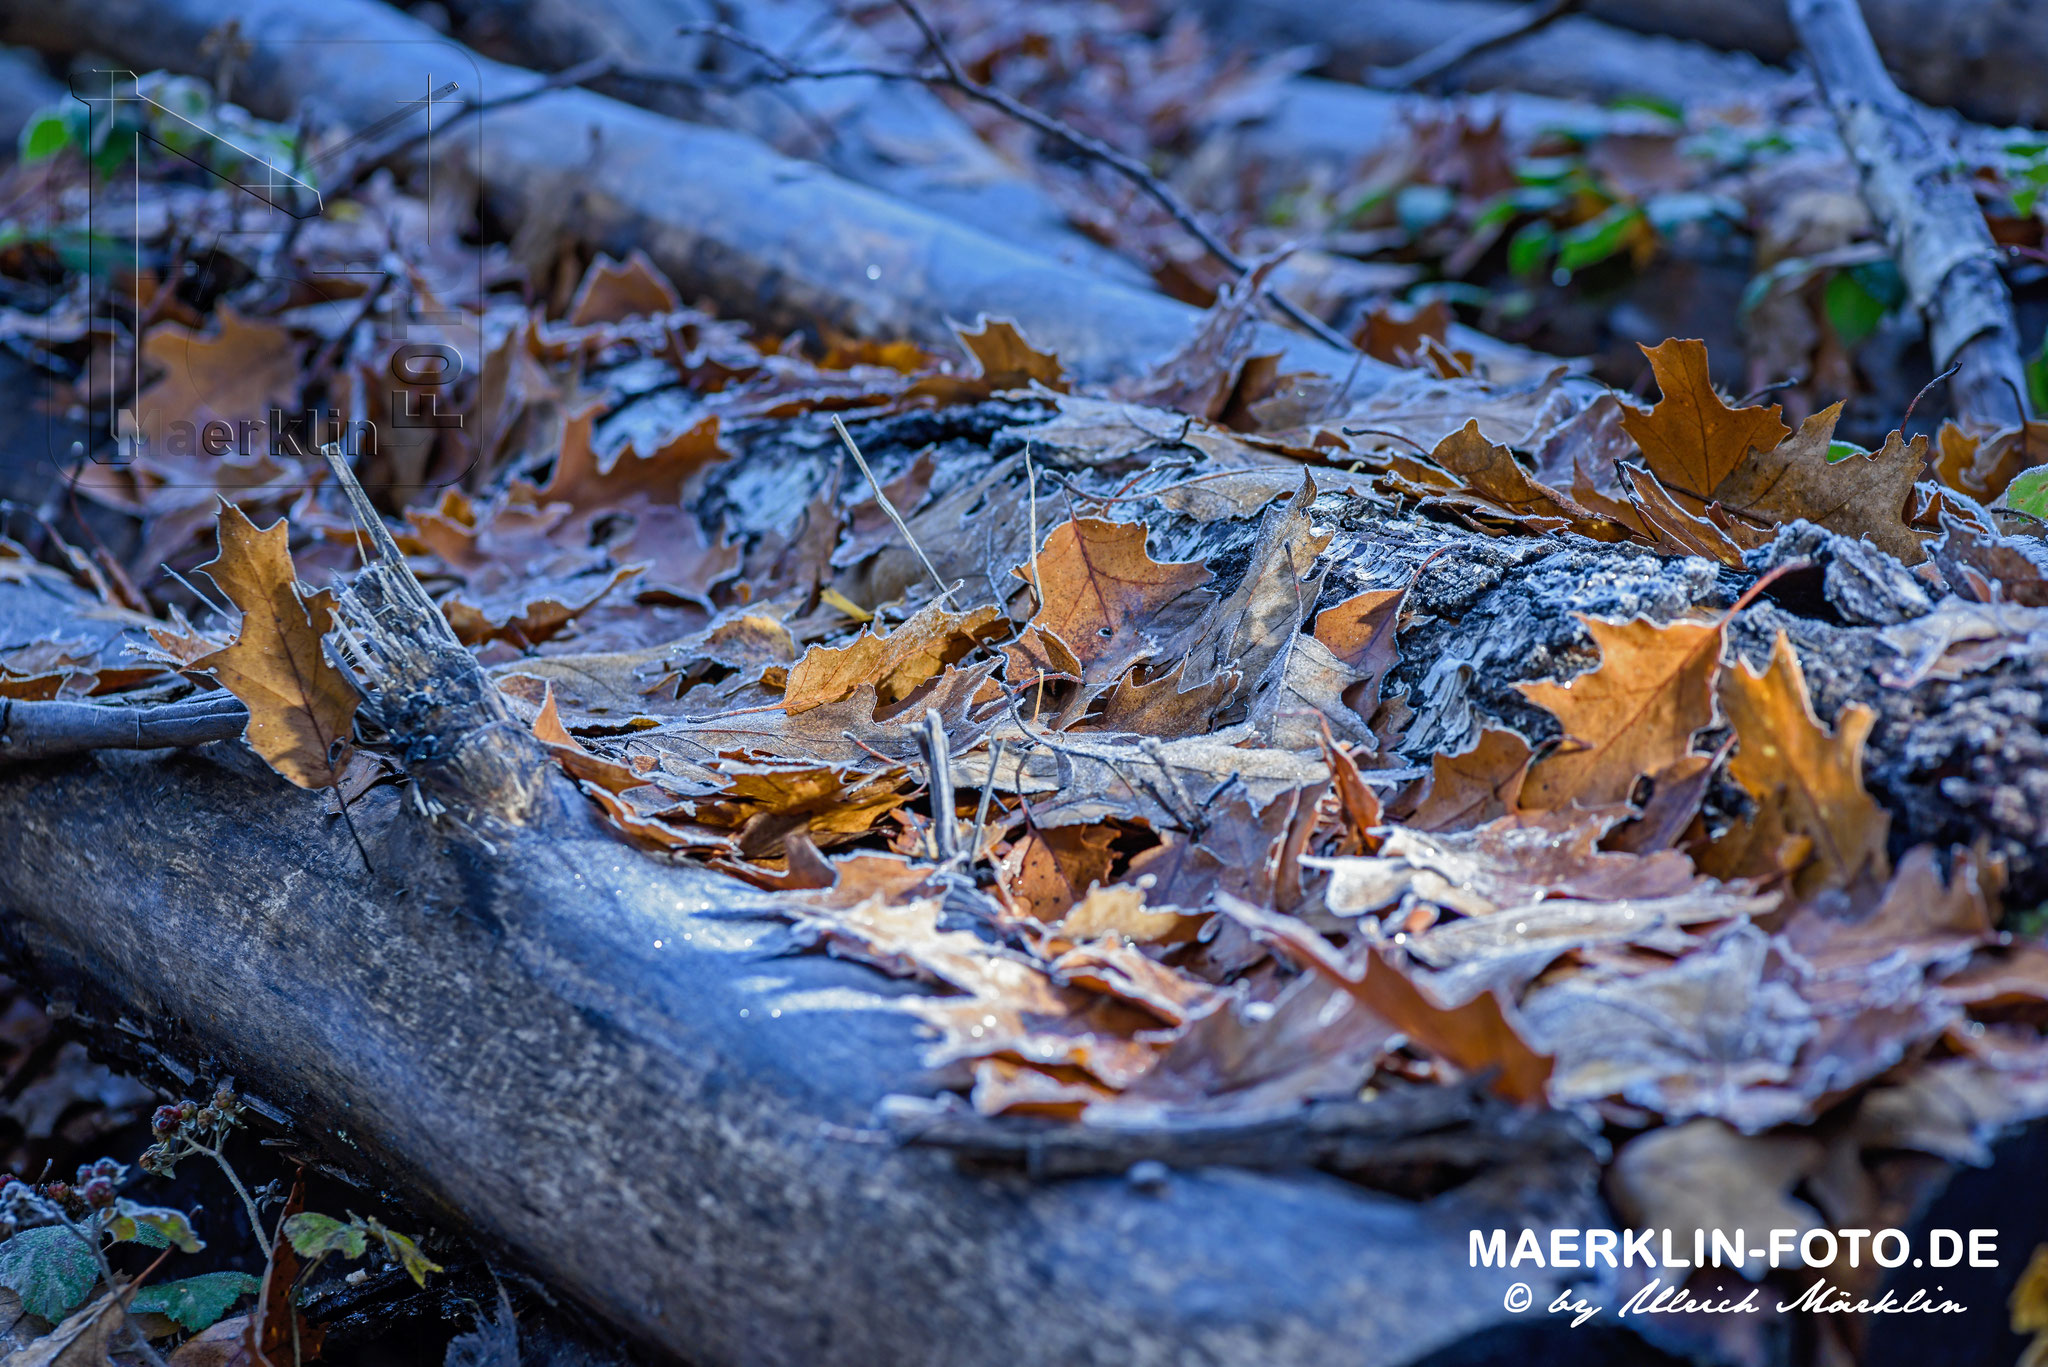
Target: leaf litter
[{"x": 1194, "y": 869}]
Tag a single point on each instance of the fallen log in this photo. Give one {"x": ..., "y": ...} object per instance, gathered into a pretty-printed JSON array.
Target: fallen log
[
  {"x": 894, "y": 137},
  {"x": 1575, "y": 57},
  {"x": 1928, "y": 213},
  {"x": 593, "y": 1060},
  {"x": 776, "y": 241},
  {"x": 1981, "y": 56}
]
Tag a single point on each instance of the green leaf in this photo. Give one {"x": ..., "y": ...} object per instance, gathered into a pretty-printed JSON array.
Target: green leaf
[
  {"x": 405, "y": 1252},
  {"x": 130, "y": 1221},
  {"x": 314, "y": 1236},
  {"x": 196, "y": 1302},
  {"x": 1598, "y": 238},
  {"x": 43, "y": 137},
  {"x": 50, "y": 1268},
  {"x": 1842, "y": 450},
  {"x": 1530, "y": 247},
  {"x": 2027, "y": 495}
]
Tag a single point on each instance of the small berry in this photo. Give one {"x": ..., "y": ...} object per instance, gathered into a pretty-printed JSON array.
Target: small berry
[
  {"x": 166, "y": 1121},
  {"x": 99, "y": 1192},
  {"x": 106, "y": 1167},
  {"x": 188, "y": 1110},
  {"x": 58, "y": 1191}
]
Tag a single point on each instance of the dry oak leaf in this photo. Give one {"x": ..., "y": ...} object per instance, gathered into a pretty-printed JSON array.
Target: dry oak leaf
[
  {"x": 1473, "y": 786},
  {"x": 236, "y": 376},
  {"x": 1703, "y": 1175},
  {"x": 1492, "y": 472},
  {"x": 1692, "y": 439},
  {"x": 895, "y": 662},
  {"x": 301, "y": 707},
  {"x": 612, "y": 292},
  {"x": 1003, "y": 360},
  {"x": 1858, "y": 495},
  {"x": 1634, "y": 714},
  {"x": 1475, "y": 1037},
  {"x": 1103, "y": 595},
  {"x": 1786, "y": 759}
]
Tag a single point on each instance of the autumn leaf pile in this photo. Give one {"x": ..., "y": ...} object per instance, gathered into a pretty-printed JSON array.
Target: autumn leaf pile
[{"x": 1113, "y": 748}]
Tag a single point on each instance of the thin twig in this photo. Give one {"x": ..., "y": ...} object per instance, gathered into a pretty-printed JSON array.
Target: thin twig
[
  {"x": 1428, "y": 66},
  {"x": 945, "y": 803},
  {"x": 890, "y": 508},
  {"x": 950, "y": 76}
]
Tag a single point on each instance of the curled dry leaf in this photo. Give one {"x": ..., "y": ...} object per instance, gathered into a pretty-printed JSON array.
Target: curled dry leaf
[
  {"x": 894, "y": 662},
  {"x": 301, "y": 707}
]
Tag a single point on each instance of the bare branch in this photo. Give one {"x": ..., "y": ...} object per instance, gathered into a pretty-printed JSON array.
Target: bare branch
[{"x": 951, "y": 77}]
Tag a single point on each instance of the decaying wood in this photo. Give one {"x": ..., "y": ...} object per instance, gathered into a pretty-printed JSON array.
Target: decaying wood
[
  {"x": 1928, "y": 212},
  {"x": 40, "y": 730},
  {"x": 777, "y": 241},
  {"x": 594, "y": 1059},
  {"x": 598, "y": 1062}
]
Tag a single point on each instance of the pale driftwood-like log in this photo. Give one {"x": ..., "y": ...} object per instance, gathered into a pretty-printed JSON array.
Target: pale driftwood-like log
[
  {"x": 1982, "y": 56},
  {"x": 762, "y": 236},
  {"x": 1575, "y": 57},
  {"x": 1928, "y": 213},
  {"x": 894, "y": 137}
]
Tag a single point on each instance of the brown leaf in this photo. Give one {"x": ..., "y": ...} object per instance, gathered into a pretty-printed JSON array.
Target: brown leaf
[
  {"x": 84, "y": 1338},
  {"x": 1917, "y": 917},
  {"x": 1475, "y": 785},
  {"x": 612, "y": 292},
  {"x": 1672, "y": 527},
  {"x": 301, "y": 708},
  {"x": 1475, "y": 1038},
  {"x": 1692, "y": 439},
  {"x": 1048, "y": 871},
  {"x": 1491, "y": 471},
  {"x": 1702, "y": 1175},
  {"x": 1104, "y": 595},
  {"x": 1858, "y": 495},
  {"x": 1984, "y": 566},
  {"x": 894, "y": 662},
  {"x": 1713, "y": 1033},
  {"x": 1160, "y": 706},
  {"x": 236, "y": 376},
  {"x": 1633, "y": 714},
  {"x": 1785, "y": 758}
]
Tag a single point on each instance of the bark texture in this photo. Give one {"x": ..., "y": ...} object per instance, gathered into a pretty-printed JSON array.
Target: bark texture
[{"x": 1929, "y": 214}]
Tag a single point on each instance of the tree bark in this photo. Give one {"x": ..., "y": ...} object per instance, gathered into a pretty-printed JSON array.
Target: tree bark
[
  {"x": 1928, "y": 213},
  {"x": 776, "y": 241}
]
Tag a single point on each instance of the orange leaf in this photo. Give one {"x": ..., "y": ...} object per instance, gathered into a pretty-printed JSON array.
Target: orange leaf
[
  {"x": 1102, "y": 590},
  {"x": 1787, "y": 760},
  {"x": 301, "y": 708},
  {"x": 1692, "y": 439},
  {"x": 1634, "y": 714}
]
